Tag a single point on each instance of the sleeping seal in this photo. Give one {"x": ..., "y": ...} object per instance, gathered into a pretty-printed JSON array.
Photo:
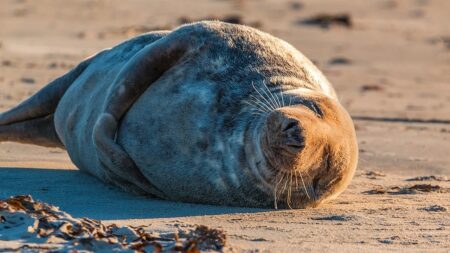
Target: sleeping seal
[{"x": 207, "y": 113}]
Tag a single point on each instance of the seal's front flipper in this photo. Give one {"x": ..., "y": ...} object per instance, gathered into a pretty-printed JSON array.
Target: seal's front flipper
[
  {"x": 142, "y": 70},
  {"x": 32, "y": 120}
]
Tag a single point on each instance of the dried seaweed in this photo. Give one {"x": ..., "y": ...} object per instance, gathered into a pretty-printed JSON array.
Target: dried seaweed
[
  {"x": 395, "y": 190},
  {"x": 339, "y": 61},
  {"x": 429, "y": 178},
  {"x": 44, "y": 227},
  {"x": 327, "y": 20},
  {"x": 371, "y": 87},
  {"x": 434, "y": 208}
]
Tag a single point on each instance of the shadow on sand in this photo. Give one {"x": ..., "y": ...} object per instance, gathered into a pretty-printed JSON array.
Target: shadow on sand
[{"x": 84, "y": 196}]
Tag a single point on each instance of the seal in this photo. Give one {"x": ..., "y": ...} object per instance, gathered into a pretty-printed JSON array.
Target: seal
[{"x": 210, "y": 113}]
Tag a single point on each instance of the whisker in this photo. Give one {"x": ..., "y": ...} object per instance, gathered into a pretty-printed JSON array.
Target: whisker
[
  {"x": 281, "y": 179},
  {"x": 304, "y": 186},
  {"x": 311, "y": 188},
  {"x": 280, "y": 190},
  {"x": 278, "y": 99},
  {"x": 275, "y": 194},
  {"x": 275, "y": 101},
  {"x": 275, "y": 205},
  {"x": 255, "y": 106},
  {"x": 257, "y": 113},
  {"x": 282, "y": 95},
  {"x": 275, "y": 202},
  {"x": 313, "y": 193},
  {"x": 267, "y": 95},
  {"x": 268, "y": 108},
  {"x": 284, "y": 187},
  {"x": 289, "y": 196},
  {"x": 296, "y": 180},
  {"x": 268, "y": 103}
]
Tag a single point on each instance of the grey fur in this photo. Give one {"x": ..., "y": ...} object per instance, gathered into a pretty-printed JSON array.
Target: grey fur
[{"x": 178, "y": 115}]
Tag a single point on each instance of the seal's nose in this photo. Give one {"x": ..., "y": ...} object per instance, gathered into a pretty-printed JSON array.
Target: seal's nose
[{"x": 293, "y": 140}]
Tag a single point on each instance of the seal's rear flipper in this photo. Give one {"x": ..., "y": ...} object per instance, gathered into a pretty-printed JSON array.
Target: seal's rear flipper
[
  {"x": 40, "y": 131},
  {"x": 32, "y": 120},
  {"x": 142, "y": 70}
]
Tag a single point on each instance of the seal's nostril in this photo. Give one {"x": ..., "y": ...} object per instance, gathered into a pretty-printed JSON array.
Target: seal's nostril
[
  {"x": 292, "y": 124},
  {"x": 293, "y": 141}
]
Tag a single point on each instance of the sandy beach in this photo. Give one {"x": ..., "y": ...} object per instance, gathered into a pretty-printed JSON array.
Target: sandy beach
[{"x": 389, "y": 61}]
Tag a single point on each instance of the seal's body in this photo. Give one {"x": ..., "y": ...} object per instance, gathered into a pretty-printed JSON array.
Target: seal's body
[{"x": 208, "y": 113}]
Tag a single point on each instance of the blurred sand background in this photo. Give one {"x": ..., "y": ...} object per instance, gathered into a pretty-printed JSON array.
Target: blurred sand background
[{"x": 389, "y": 62}]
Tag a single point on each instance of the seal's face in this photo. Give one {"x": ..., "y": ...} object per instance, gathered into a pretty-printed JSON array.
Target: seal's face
[{"x": 311, "y": 148}]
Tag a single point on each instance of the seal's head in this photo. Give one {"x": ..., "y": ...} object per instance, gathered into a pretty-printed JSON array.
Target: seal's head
[{"x": 310, "y": 148}]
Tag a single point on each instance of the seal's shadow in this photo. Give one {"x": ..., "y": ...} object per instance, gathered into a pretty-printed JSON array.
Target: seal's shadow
[{"x": 84, "y": 196}]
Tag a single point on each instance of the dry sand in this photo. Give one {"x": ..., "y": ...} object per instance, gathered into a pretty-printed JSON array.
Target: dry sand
[{"x": 390, "y": 67}]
